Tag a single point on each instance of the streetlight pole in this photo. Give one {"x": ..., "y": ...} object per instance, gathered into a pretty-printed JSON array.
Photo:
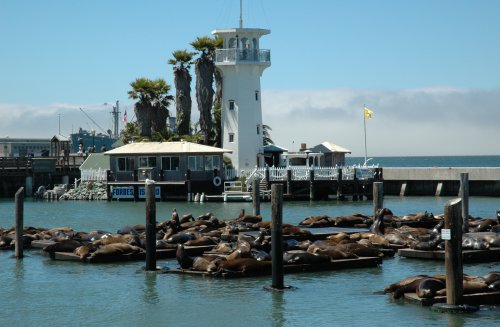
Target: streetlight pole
[{"x": 93, "y": 140}]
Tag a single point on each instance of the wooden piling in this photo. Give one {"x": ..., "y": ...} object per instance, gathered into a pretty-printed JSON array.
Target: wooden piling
[
  {"x": 19, "y": 198},
  {"x": 277, "y": 236},
  {"x": 453, "y": 252},
  {"x": 311, "y": 184},
  {"x": 188, "y": 185},
  {"x": 289, "y": 190},
  {"x": 464, "y": 196},
  {"x": 268, "y": 178},
  {"x": 339, "y": 183},
  {"x": 256, "y": 196},
  {"x": 378, "y": 196},
  {"x": 150, "y": 226}
]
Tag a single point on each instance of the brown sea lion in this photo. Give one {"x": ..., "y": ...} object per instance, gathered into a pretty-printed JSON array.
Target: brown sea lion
[
  {"x": 360, "y": 250},
  {"x": 204, "y": 240},
  {"x": 83, "y": 251},
  {"x": 115, "y": 249},
  {"x": 491, "y": 277},
  {"x": 334, "y": 253},
  {"x": 304, "y": 257},
  {"x": 409, "y": 283},
  {"x": 470, "y": 287},
  {"x": 184, "y": 260},
  {"x": 250, "y": 219},
  {"x": 428, "y": 287},
  {"x": 201, "y": 264},
  {"x": 245, "y": 266},
  {"x": 288, "y": 229},
  {"x": 316, "y": 221},
  {"x": 63, "y": 246},
  {"x": 111, "y": 240}
]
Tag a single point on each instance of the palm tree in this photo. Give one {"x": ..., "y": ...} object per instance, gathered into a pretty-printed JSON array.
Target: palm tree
[
  {"x": 151, "y": 109},
  {"x": 266, "y": 136},
  {"x": 182, "y": 62},
  {"x": 205, "y": 68}
]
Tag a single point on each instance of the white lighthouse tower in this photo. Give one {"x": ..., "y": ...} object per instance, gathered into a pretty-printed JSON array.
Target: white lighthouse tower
[{"x": 241, "y": 63}]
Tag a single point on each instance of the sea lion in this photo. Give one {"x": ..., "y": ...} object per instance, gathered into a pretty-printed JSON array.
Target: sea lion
[
  {"x": 350, "y": 220},
  {"x": 334, "y": 253},
  {"x": 406, "y": 285},
  {"x": 316, "y": 221},
  {"x": 288, "y": 229},
  {"x": 428, "y": 287},
  {"x": 105, "y": 240},
  {"x": 84, "y": 251},
  {"x": 303, "y": 257},
  {"x": 260, "y": 255},
  {"x": 184, "y": 260},
  {"x": 186, "y": 218},
  {"x": 470, "y": 243},
  {"x": 491, "y": 277},
  {"x": 115, "y": 249},
  {"x": 469, "y": 287},
  {"x": 245, "y": 265},
  {"x": 180, "y": 238},
  {"x": 250, "y": 219},
  {"x": 378, "y": 221},
  {"x": 360, "y": 250},
  {"x": 204, "y": 240},
  {"x": 201, "y": 264},
  {"x": 63, "y": 246},
  {"x": 482, "y": 225}
]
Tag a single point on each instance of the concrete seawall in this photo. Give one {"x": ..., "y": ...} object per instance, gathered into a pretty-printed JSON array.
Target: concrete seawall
[{"x": 440, "y": 181}]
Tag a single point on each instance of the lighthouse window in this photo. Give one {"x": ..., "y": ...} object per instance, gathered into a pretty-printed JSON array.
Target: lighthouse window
[
  {"x": 231, "y": 137},
  {"x": 231, "y": 104},
  {"x": 258, "y": 129},
  {"x": 256, "y": 95}
]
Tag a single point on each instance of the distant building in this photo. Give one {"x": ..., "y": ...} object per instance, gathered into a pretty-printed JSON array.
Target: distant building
[
  {"x": 333, "y": 154},
  {"x": 21, "y": 147}
]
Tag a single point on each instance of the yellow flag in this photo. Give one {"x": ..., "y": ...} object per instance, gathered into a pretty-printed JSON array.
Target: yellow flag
[{"x": 368, "y": 113}]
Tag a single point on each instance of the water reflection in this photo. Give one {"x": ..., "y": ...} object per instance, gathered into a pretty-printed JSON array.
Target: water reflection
[
  {"x": 455, "y": 320},
  {"x": 150, "y": 289},
  {"x": 278, "y": 309}
]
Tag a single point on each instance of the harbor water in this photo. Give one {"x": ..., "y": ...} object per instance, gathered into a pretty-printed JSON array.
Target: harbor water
[{"x": 37, "y": 291}]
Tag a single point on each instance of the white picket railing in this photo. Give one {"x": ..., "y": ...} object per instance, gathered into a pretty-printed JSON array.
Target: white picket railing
[{"x": 96, "y": 175}]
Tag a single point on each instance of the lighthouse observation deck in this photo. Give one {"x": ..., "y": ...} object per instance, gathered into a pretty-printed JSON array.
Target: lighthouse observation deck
[{"x": 233, "y": 56}]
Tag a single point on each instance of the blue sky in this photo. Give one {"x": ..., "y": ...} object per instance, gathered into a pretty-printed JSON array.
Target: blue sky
[{"x": 428, "y": 69}]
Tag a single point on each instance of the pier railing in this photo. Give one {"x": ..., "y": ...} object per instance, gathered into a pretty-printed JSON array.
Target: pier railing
[{"x": 302, "y": 173}]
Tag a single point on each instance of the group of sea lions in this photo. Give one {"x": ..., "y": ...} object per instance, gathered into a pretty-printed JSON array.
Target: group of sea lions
[
  {"x": 431, "y": 286},
  {"x": 482, "y": 233}
]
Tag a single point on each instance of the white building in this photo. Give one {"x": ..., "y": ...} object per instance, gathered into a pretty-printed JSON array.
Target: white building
[{"x": 241, "y": 63}]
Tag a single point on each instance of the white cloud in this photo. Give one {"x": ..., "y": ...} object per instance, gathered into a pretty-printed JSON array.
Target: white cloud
[{"x": 431, "y": 121}]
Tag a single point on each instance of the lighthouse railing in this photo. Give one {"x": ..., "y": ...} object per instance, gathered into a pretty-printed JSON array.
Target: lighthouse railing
[{"x": 239, "y": 55}]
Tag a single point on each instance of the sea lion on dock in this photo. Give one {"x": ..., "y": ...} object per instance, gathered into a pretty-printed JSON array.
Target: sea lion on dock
[
  {"x": 428, "y": 287},
  {"x": 491, "y": 277},
  {"x": 184, "y": 260},
  {"x": 407, "y": 285},
  {"x": 250, "y": 219},
  {"x": 288, "y": 229},
  {"x": 204, "y": 240},
  {"x": 248, "y": 266},
  {"x": 378, "y": 221},
  {"x": 110, "y": 251},
  {"x": 316, "y": 221},
  {"x": 63, "y": 246},
  {"x": 304, "y": 257}
]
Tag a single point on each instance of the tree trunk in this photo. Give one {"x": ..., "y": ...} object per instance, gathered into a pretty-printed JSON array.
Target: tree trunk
[
  {"x": 183, "y": 100},
  {"x": 159, "y": 121},
  {"x": 143, "y": 113},
  {"x": 204, "y": 95},
  {"x": 218, "y": 107}
]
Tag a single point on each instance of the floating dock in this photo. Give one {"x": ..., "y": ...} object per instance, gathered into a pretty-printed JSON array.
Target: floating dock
[
  {"x": 491, "y": 255},
  {"x": 363, "y": 262},
  {"x": 489, "y": 298}
]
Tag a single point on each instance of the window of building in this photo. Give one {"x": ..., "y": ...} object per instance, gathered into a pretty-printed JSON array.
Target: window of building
[
  {"x": 212, "y": 162},
  {"x": 147, "y": 162},
  {"x": 231, "y": 104},
  {"x": 258, "y": 129},
  {"x": 231, "y": 137},
  {"x": 170, "y": 163},
  {"x": 256, "y": 95},
  {"x": 195, "y": 163},
  {"x": 126, "y": 164}
]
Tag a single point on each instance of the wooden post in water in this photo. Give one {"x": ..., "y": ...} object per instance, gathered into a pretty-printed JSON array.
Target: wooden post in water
[
  {"x": 339, "y": 183},
  {"x": 150, "y": 226},
  {"x": 256, "y": 196},
  {"x": 268, "y": 178},
  {"x": 453, "y": 252},
  {"x": 311, "y": 184},
  {"x": 378, "y": 196},
  {"x": 188, "y": 184},
  {"x": 289, "y": 190},
  {"x": 19, "y": 197},
  {"x": 464, "y": 196},
  {"x": 277, "y": 236}
]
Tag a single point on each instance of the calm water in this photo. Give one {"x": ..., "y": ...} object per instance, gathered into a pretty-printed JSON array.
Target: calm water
[{"x": 42, "y": 292}]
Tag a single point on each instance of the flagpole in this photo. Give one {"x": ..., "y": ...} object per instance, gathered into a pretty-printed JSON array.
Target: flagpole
[{"x": 364, "y": 123}]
